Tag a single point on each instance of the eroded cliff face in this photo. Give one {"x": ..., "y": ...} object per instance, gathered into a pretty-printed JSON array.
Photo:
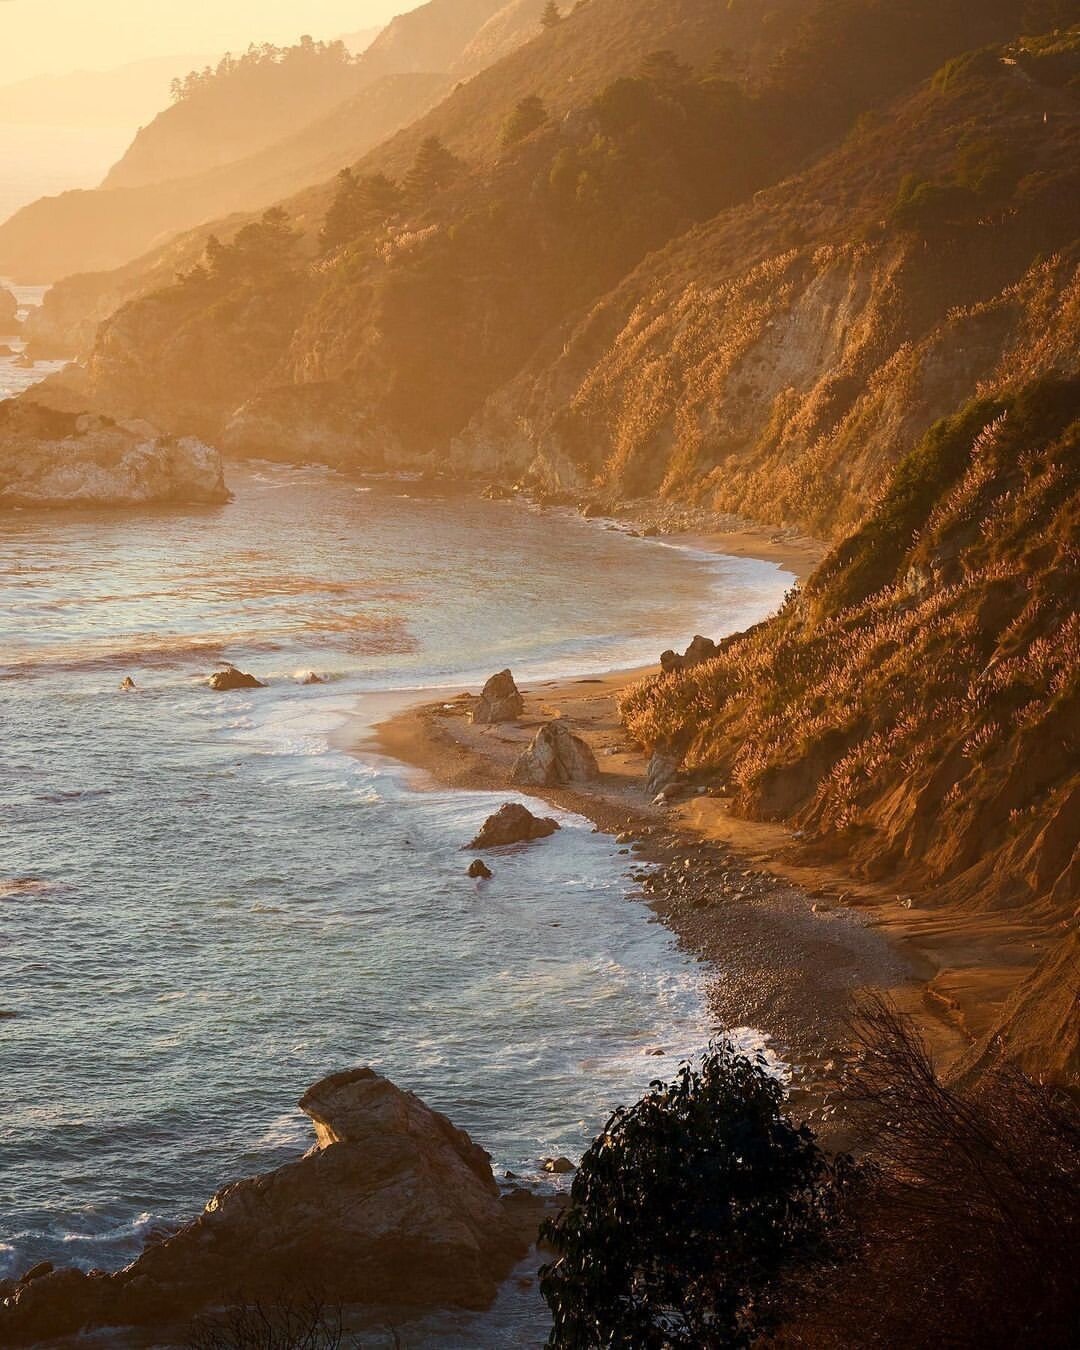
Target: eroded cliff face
[
  {"x": 779, "y": 361},
  {"x": 915, "y": 711}
]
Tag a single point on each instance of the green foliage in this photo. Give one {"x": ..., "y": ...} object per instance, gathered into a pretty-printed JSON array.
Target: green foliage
[
  {"x": 261, "y": 253},
  {"x": 984, "y": 171},
  {"x": 529, "y": 115},
  {"x": 869, "y": 559},
  {"x": 970, "y": 66},
  {"x": 433, "y": 169},
  {"x": 685, "y": 1211},
  {"x": 256, "y": 60},
  {"x": 849, "y": 55},
  {"x": 360, "y": 205}
]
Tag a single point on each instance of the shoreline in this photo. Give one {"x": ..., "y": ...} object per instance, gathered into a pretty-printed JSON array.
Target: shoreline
[{"x": 787, "y": 946}]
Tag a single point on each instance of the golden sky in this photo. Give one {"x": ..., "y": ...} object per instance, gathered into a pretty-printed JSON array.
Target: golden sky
[{"x": 55, "y": 36}]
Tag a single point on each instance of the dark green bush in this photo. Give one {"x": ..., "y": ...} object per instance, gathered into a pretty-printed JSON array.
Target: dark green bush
[{"x": 685, "y": 1212}]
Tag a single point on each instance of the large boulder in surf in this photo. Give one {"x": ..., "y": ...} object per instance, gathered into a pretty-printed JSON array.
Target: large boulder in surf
[
  {"x": 52, "y": 458},
  {"x": 230, "y": 678},
  {"x": 500, "y": 701},
  {"x": 513, "y": 824},
  {"x": 393, "y": 1205},
  {"x": 555, "y": 758}
]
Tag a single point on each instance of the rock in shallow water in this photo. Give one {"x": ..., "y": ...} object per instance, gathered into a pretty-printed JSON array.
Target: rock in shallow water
[
  {"x": 480, "y": 871},
  {"x": 513, "y": 824},
  {"x": 231, "y": 678},
  {"x": 392, "y": 1205},
  {"x": 54, "y": 459}
]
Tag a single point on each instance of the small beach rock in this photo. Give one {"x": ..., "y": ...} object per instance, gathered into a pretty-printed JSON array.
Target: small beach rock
[
  {"x": 555, "y": 758},
  {"x": 231, "y": 678},
  {"x": 127, "y": 684},
  {"x": 513, "y": 824},
  {"x": 500, "y": 701},
  {"x": 559, "y": 1166},
  {"x": 393, "y": 1204},
  {"x": 662, "y": 772},
  {"x": 312, "y": 678},
  {"x": 480, "y": 871},
  {"x": 700, "y": 649}
]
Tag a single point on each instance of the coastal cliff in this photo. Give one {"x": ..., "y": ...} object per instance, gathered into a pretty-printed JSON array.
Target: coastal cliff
[
  {"x": 57, "y": 459},
  {"x": 913, "y": 710}
]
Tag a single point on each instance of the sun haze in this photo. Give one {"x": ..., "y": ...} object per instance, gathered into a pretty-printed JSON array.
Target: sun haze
[{"x": 55, "y": 36}]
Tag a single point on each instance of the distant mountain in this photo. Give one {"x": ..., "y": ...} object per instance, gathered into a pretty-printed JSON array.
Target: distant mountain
[
  {"x": 360, "y": 41},
  {"x": 237, "y": 107},
  {"x": 57, "y": 235},
  {"x": 238, "y": 111},
  {"x": 125, "y": 97}
]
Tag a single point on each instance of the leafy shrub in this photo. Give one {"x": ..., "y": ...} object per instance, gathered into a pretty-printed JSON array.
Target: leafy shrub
[
  {"x": 685, "y": 1210},
  {"x": 529, "y": 115}
]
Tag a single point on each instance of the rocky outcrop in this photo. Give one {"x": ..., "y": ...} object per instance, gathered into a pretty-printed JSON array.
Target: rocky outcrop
[
  {"x": 393, "y": 1205},
  {"x": 479, "y": 870},
  {"x": 555, "y": 758},
  {"x": 500, "y": 701},
  {"x": 50, "y": 458},
  {"x": 700, "y": 649},
  {"x": 231, "y": 678},
  {"x": 9, "y": 313},
  {"x": 513, "y": 824}
]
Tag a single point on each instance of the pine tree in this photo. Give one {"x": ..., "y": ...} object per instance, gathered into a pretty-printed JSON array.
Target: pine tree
[
  {"x": 359, "y": 205},
  {"x": 433, "y": 169},
  {"x": 551, "y": 17},
  {"x": 529, "y": 114}
]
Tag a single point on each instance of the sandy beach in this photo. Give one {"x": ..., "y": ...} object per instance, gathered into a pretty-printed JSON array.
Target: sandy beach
[
  {"x": 783, "y": 953},
  {"x": 790, "y": 942}
]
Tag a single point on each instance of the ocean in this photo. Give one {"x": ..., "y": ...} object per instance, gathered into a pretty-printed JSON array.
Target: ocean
[
  {"x": 42, "y": 161},
  {"x": 207, "y": 902}
]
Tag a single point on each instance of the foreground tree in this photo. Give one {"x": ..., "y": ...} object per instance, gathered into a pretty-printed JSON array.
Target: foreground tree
[{"x": 685, "y": 1210}]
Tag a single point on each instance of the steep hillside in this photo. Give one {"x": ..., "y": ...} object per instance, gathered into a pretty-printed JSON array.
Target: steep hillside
[
  {"x": 516, "y": 23},
  {"x": 916, "y": 709},
  {"x": 430, "y": 37},
  {"x": 779, "y": 360},
  {"x": 582, "y": 199},
  {"x": 566, "y": 67},
  {"x": 494, "y": 260},
  {"x": 241, "y": 105}
]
